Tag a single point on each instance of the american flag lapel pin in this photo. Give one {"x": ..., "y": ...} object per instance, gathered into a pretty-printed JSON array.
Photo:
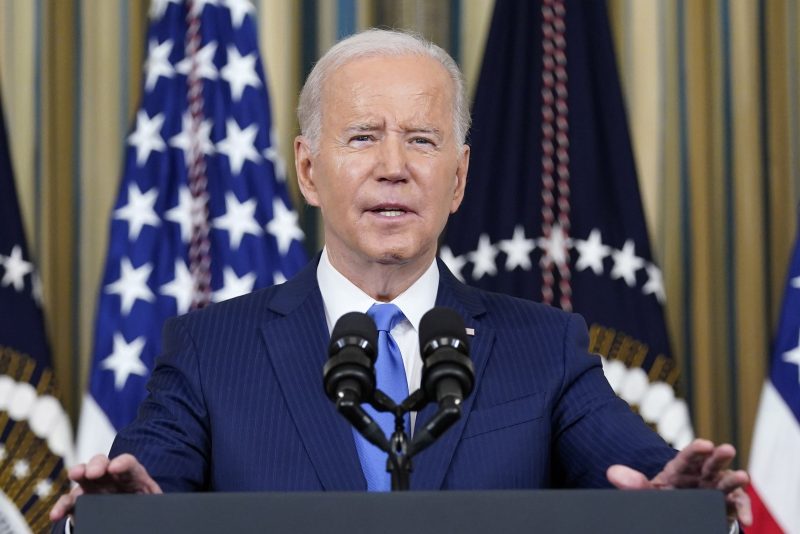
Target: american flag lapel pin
[{"x": 470, "y": 331}]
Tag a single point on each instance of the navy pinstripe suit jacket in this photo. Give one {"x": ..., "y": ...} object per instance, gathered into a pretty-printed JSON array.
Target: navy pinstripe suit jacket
[{"x": 236, "y": 402}]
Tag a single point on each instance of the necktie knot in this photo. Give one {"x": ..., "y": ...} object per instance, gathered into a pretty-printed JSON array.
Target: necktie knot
[{"x": 386, "y": 316}]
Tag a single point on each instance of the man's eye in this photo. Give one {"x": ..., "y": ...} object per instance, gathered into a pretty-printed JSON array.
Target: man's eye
[
  {"x": 360, "y": 138},
  {"x": 422, "y": 141}
]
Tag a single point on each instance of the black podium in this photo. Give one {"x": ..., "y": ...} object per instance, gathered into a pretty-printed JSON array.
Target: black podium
[{"x": 495, "y": 512}]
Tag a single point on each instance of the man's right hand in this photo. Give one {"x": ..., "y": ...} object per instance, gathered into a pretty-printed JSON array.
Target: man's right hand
[{"x": 123, "y": 474}]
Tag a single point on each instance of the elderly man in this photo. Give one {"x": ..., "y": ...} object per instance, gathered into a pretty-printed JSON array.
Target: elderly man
[{"x": 236, "y": 400}]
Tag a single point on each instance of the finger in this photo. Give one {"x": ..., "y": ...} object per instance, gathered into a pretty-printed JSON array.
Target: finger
[
  {"x": 730, "y": 481},
  {"x": 97, "y": 467},
  {"x": 690, "y": 460},
  {"x": 738, "y": 503},
  {"x": 123, "y": 468},
  {"x": 623, "y": 477},
  {"x": 683, "y": 471},
  {"x": 719, "y": 461},
  {"x": 77, "y": 472},
  {"x": 65, "y": 504},
  {"x": 131, "y": 474}
]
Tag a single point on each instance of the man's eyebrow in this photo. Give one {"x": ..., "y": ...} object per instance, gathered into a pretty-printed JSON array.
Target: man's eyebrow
[
  {"x": 363, "y": 127},
  {"x": 424, "y": 129}
]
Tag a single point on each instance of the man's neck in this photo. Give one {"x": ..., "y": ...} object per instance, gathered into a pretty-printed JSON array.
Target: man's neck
[{"x": 381, "y": 281}]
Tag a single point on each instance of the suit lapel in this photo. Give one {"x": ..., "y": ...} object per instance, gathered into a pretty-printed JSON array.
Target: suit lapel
[
  {"x": 431, "y": 465},
  {"x": 297, "y": 343}
]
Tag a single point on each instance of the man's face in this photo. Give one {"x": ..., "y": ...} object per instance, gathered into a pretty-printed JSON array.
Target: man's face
[{"x": 388, "y": 171}]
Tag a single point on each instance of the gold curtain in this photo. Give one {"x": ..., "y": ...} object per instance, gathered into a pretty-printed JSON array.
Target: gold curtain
[{"x": 711, "y": 89}]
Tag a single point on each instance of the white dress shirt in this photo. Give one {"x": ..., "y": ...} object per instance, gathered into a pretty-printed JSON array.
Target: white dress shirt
[{"x": 341, "y": 296}]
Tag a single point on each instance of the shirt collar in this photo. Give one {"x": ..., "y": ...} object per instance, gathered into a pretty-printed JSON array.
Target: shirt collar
[{"x": 340, "y": 295}]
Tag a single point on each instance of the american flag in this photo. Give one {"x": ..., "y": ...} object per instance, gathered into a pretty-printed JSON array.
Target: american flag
[
  {"x": 203, "y": 212},
  {"x": 552, "y": 210},
  {"x": 775, "y": 453}
]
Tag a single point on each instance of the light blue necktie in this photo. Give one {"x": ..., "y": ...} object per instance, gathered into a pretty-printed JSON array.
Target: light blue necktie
[{"x": 390, "y": 376}]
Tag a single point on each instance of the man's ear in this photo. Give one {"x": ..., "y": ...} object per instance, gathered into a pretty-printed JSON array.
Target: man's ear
[
  {"x": 461, "y": 178},
  {"x": 303, "y": 164}
]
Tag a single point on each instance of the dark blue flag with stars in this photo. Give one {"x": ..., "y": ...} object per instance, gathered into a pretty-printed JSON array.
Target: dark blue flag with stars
[
  {"x": 35, "y": 432},
  {"x": 203, "y": 212},
  {"x": 552, "y": 211}
]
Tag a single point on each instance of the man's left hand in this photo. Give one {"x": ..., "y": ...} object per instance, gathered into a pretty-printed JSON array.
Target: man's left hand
[{"x": 700, "y": 465}]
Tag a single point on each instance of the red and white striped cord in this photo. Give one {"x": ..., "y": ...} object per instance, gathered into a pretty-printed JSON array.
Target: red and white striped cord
[
  {"x": 199, "y": 247},
  {"x": 555, "y": 148}
]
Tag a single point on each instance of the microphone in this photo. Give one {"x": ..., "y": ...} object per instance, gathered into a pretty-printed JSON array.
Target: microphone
[
  {"x": 447, "y": 371},
  {"x": 350, "y": 369},
  {"x": 349, "y": 374}
]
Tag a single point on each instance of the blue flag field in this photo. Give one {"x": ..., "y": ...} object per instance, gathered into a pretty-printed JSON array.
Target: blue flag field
[{"x": 553, "y": 211}]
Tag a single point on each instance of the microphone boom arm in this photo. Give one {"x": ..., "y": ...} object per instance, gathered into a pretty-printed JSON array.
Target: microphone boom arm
[
  {"x": 349, "y": 405},
  {"x": 447, "y": 415}
]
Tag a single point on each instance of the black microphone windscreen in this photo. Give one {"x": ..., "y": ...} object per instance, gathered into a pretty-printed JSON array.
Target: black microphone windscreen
[
  {"x": 441, "y": 322},
  {"x": 355, "y": 324}
]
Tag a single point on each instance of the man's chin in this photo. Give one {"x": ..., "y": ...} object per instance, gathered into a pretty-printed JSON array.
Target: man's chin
[
  {"x": 402, "y": 257},
  {"x": 392, "y": 258}
]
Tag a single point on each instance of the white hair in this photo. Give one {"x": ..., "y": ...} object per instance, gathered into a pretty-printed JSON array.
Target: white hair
[{"x": 371, "y": 43}]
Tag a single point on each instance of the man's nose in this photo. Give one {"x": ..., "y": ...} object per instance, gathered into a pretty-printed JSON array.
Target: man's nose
[{"x": 392, "y": 165}]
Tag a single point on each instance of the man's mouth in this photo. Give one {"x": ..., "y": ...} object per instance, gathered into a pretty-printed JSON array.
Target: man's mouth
[{"x": 390, "y": 211}]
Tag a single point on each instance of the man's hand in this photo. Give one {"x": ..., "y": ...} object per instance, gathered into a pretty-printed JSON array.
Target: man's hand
[
  {"x": 700, "y": 465},
  {"x": 123, "y": 474}
]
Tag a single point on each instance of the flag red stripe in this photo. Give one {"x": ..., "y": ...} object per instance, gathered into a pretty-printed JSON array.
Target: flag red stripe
[{"x": 763, "y": 522}]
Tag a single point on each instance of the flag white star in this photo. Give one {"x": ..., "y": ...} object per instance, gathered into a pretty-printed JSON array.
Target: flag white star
[
  {"x": 205, "y": 62},
  {"x": 239, "y": 145},
  {"x": 125, "y": 360},
  {"x": 139, "y": 210},
  {"x": 284, "y": 226},
  {"x": 453, "y": 262},
  {"x": 181, "y": 287},
  {"x": 483, "y": 258},
  {"x": 278, "y": 278},
  {"x": 240, "y": 72},
  {"x": 591, "y": 252},
  {"x": 518, "y": 250},
  {"x": 21, "y": 469},
  {"x": 157, "y": 63},
  {"x": 239, "y": 219},
  {"x": 655, "y": 283},
  {"x": 793, "y": 356},
  {"x": 199, "y": 5},
  {"x": 239, "y": 10},
  {"x": 186, "y": 138},
  {"x": 795, "y": 282},
  {"x": 15, "y": 269},
  {"x": 626, "y": 263},
  {"x": 233, "y": 286},
  {"x": 185, "y": 212},
  {"x": 555, "y": 247},
  {"x": 159, "y": 7},
  {"x": 147, "y": 136},
  {"x": 273, "y": 154},
  {"x": 131, "y": 285},
  {"x": 43, "y": 488}
]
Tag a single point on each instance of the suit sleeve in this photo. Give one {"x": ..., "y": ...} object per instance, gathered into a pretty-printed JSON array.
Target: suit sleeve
[
  {"x": 593, "y": 428},
  {"x": 170, "y": 435}
]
